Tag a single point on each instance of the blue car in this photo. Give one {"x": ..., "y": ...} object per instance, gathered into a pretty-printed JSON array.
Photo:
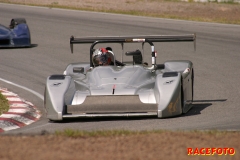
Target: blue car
[{"x": 16, "y": 35}]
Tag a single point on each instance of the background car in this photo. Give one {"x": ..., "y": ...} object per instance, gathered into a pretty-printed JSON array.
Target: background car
[{"x": 17, "y": 34}]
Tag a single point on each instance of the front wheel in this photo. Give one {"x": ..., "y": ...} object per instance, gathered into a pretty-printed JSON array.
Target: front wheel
[{"x": 182, "y": 96}]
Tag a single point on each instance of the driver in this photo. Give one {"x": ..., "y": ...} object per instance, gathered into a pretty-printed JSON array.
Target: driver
[{"x": 102, "y": 57}]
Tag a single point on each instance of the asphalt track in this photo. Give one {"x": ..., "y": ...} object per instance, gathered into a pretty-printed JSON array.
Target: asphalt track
[{"x": 216, "y": 62}]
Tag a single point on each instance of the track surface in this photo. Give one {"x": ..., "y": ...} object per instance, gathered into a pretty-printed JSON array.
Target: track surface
[{"x": 216, "y": 62}]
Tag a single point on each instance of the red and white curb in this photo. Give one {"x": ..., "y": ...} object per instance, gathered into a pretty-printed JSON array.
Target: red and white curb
[{"x": 20, "y": 113}]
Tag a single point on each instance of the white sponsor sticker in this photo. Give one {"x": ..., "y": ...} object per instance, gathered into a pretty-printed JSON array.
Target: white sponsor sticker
[
  {"x": 187, "y": 70},
  {"x": 138, "y": 40},
  {"x": 152, "y": 47}
]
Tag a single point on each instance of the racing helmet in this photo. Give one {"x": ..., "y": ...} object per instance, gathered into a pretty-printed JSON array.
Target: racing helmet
[{"x": 101, "y": 57}]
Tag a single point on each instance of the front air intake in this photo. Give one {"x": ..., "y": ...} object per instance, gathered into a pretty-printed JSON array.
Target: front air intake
[{"x": 4, "y": 41}]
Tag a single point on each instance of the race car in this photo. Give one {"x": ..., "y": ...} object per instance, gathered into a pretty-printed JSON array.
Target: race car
[
  {"x": 16, "y": 35},
  {"x": 106, "y": 87}
]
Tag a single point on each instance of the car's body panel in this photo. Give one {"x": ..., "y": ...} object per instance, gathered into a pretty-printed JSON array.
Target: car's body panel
[
  {"x": 121, "y": 91},
  {"x": 15, "y": 36}
]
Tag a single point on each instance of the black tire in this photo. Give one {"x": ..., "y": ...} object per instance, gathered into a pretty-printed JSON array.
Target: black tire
[
  {"x": 182, "y": 96},
  {"x": 192, "y": 84},
  {"x": 16, "y": 21}
]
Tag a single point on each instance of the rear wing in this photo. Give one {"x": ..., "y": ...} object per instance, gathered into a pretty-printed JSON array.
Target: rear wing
[{"x": 132, "y": 39}]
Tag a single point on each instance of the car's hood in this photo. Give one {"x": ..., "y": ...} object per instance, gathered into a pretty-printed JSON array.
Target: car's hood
[{"x": 123, "y": 80}]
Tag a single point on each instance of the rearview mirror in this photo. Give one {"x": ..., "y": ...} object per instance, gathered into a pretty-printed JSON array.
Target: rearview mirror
[
  {"x": 133, "y": 53},
  {"x": 160, "y": 66},
  {"x": 78, "y": 70},
  {"x": 137, "y": 56}
]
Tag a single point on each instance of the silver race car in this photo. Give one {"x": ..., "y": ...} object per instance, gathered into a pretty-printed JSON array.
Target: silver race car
[{"x": 106, "y": 87}]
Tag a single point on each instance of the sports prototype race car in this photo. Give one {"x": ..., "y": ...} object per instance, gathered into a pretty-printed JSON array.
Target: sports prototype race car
[
  {"x": 16, "y": 35},
  {"x": 106, "y": 87}
]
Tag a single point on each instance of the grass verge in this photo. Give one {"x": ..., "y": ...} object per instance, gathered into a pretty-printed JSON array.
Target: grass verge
[
  {"x": 4, "y": 106},
  {"x": 111, "y": 133},
  {"x": 171, "y": 9},
  {"x": 78, "y": 133}
]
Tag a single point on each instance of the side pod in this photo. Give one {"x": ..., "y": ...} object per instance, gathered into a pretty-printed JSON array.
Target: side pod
[
  {"x": 168, "y": 86},
  {"x": 56, "y": 87}
]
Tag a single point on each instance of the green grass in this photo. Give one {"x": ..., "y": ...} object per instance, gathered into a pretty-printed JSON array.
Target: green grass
[
  {"x": 4, "y": 106},
  {"x": 108, "y": 133}
]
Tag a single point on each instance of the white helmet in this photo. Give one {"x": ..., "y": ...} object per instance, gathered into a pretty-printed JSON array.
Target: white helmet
[{"x": 101, "y": 57}]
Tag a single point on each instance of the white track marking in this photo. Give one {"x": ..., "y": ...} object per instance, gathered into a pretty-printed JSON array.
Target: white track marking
[{"x": 25, "y": 88}]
